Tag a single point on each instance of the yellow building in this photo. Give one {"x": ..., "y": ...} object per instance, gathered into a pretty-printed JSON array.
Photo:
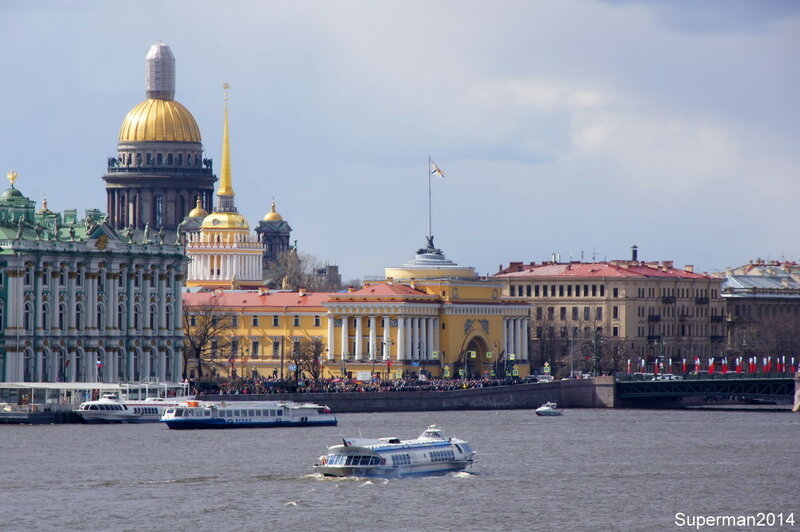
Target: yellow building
[{"x": 428, "y": 316}]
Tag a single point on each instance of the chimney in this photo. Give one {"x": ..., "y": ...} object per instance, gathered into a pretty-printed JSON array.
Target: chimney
[
  {"x": 634, "y": 252},
  {"x": 689, "y": 268}
]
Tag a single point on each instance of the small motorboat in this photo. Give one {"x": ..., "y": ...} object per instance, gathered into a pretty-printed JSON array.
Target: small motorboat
[{"x": 549, "y": 409}]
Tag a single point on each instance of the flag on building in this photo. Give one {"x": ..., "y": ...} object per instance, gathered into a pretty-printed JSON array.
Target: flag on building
[
  {"x": 99, "y": 363},
  {"x": 711, "y": 366},
  {"x": 697, "y": 364},
  {"x": 435, "y": 170},
  {"x": 738, "y": 364},
  {"x": 724, "y": 365},
  {"x": 629, "y": 366},
  {"x": 683, "y": 366}
]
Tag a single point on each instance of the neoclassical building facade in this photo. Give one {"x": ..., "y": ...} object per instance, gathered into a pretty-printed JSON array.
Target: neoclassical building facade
[
  {"x": 81, "y": 303},
  {"x": 428, "y": 316}
]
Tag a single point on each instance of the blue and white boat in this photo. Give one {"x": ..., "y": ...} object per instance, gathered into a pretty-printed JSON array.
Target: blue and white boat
[
  {"x": 429, "y": 454},
  {"x": 246, "y": 414}
]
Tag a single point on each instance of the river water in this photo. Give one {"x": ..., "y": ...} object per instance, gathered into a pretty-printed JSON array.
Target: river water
[{"x": 586, "y": 470}]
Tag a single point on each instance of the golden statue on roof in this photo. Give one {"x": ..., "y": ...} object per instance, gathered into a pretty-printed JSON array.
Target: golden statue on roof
[{"x": 12, "y": 176}]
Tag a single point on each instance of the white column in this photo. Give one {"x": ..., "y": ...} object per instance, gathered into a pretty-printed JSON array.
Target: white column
[
  {"x": 345, "y": 339},
  {"x": 414, "y": 340},
  {"x": 387, "y": 329},
  {"x": 518, "y": 338},
  {"x": 72, "y": 374},
  {"x": 431, "y": 322},
  {"x": 359, "y": 338},
  {"x": 525, "y": 339},
  {"x": 373, "y": 336},
  {"x": 512, "y": 329},
  {"x": 330, "y": 338},
  {"x": 401, "y": 337},
  {"x": 436, "y": 344}
]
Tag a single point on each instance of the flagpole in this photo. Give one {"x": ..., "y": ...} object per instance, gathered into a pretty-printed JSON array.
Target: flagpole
[{"x": 429, "y": 195}]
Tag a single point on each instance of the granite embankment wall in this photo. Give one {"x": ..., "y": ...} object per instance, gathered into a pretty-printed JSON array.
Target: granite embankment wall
[{"x": 585, "y": 393}]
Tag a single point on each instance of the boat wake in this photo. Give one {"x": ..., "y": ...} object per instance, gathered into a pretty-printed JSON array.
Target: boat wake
[
  {"x": 189, "y": 480},
  {"x": 463, "y": 474}
]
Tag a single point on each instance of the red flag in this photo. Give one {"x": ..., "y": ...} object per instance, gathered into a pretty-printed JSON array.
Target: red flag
[
  {"x": 738, "y": 364},
  {"x": 725, "y": 365},
  {"x": 697, "y": 364},
  {"x": 629, "y": 366},
  {"x": 752, "y": 365},
  {"x": 768, "y": 366},
  {"x": 683, "y": 366},
  {"x": 655, "y": 367},
  {"x": 711, "y": 366}
]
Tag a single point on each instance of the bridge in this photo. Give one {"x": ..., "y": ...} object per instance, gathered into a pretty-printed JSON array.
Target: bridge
[{"x": 632, "y": 390}]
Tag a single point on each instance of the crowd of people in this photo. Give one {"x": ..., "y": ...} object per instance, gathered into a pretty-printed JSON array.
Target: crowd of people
[{"x": 273, "y": 385}]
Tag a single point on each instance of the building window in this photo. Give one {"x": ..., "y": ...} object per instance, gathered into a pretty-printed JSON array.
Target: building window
[
  {"x": 599, "y": 313},
  {"x": 255, "y": 323},
  {"x": 550, "y": 313},
  {"x": 296, "y": 321},
  {"x": 276, "y": 349},
  {"x": 562, "y": 313},
  {"x": 544, "y": 291},
  {"x": 318, "y": 321},
  {"x": 513, "y": 290},
  {"x": 575, "y": 313},
  {"x": 615, "y": 292},
  {"x": 602, "y": 290},
  {"x": 577, "y": 290},
  {"x": 536, "y": 291},
  {"x": 539, "y": 313},
  {"x": 193, "y": 321},
  {"x": 158, "y": 206},
  {"x": 234, "y": 321},
  {"x": 569, "y": 290},
  {"x": 79, "y": 278},
  {"x": 79, "y": 317},
  {"x": 120, "y": 317},
  {"x": 594, "y": 290},
  {"x": 615, "y": 312},
  {"x": 561, "y": 290},
  {"x": 254, "y": 349},
  {"x": 168, "y": 316},
  {"x": 528, "y": 290},
  {"x": 276, "y": 321},
  {"x": 586, "y": 313}
]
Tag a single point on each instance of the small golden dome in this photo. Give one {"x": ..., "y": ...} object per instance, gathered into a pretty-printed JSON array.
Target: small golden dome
[
  {"x": 159, "y": 120},
  {"x": 224, "y": 220},
  {"x": 273, "y": 216},
  {"x": 198, "y": 211}
]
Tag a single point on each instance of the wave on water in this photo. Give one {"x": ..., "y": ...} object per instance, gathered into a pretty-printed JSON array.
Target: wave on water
[
  {"x": 189, "y": 480},
  {"x": 464, "y": 474}
]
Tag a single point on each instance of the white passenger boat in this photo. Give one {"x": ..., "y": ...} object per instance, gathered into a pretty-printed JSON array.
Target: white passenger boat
[
  {"x": 431, "y": 453},
  {"x": 549, "y": 409},
  {"x": 152, "y": 409},
  {"x": 246, "y": 414},
  {"x": 108, "y": 409}
]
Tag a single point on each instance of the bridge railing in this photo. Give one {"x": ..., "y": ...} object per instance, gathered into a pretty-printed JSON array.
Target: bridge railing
[{"x": 640, "y": 377}]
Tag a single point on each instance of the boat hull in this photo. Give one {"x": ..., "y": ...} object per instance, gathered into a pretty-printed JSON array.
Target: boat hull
[
  {"x": 219, "y": 423},
  {"x": 548, "y": 413},
  {"x": 390, "y": 472}
]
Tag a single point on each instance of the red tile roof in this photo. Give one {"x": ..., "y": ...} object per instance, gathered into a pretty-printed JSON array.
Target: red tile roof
[
  {"x": 383, "y": 290},
  {"x": 248, "y": 299},
  {"x": 595, "y": 269}
]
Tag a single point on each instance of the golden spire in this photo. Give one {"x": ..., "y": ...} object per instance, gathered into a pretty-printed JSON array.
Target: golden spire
[
  {"x": 12, "y": 176},
  {"x": 44, "y": 204},
  {"x": 225, "y": 186}
]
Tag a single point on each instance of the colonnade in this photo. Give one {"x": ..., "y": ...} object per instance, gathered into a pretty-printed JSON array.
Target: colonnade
[
  {"x": 515, "y": 334},
  {"x": 416, "y": 337}
]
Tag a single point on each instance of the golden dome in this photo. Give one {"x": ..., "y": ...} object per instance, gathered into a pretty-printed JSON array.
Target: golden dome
[
  {"x": 273, "y": 216},
  {"x": 159, "y": 120},
  {"x": 198, "y": 211},
  {"x": 224, "y": 220}
]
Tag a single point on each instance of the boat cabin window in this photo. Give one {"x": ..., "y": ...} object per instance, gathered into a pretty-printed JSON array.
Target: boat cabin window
[{"x": 251, "y": 413}]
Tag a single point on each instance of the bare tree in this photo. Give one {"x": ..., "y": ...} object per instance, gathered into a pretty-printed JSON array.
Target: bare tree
[
  {"x": 306, "y": 355},
  {"x": 291, "y": 271},
  {"x": 207, "y": 335}
]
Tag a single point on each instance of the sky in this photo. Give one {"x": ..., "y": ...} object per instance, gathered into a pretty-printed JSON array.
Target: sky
[{"x": 576, "y": 128}]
